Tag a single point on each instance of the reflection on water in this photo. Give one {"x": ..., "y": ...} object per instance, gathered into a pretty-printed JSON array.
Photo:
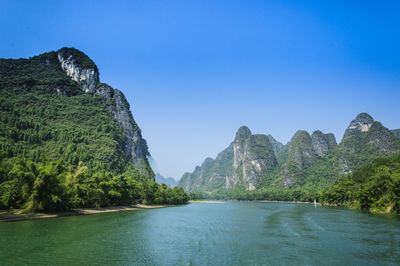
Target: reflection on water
[{"x": 235, "y": 233}]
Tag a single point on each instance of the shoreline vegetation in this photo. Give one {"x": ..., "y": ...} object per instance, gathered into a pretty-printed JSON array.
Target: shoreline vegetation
[
  {"x": 17, "y": 215},
  {"x": 54, "y": 187},
  {"x": 268, "y": 201},
  {"x": 373, "y": 188},
  {"x": 206, "y": 201}
]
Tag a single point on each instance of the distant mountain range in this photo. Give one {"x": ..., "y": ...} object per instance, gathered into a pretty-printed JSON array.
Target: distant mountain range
[
  {"x": 256, "y": 161},
  {"x": 169, "y": 181}
]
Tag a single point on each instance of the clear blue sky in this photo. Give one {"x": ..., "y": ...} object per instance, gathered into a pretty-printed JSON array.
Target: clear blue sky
[{"x": 195, "y": 71}]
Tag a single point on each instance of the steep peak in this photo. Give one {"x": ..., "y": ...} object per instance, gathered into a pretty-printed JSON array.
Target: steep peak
[
  {"x": 319, "y": 133},
  {"x": 323, "y": 143},
  {"x": 243, "y": 133},
  {"x": 79, "y": 67},
  {"x": 362, "y": 123},
  {"x": 79, "y": 57},
  {"x": 364, "y": 117},
  {"x": 300, "y": 134},
  {"x": 300, "y": 139}
]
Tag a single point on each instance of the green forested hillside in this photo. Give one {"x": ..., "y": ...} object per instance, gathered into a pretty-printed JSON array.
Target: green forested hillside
[
  {"x": 374, "y": 187},
  {"x": 50, "y": 131},
  {"x": 306, "y": 167}
]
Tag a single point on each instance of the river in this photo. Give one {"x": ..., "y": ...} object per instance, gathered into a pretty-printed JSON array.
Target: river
[{"x": 233, "y": 233}]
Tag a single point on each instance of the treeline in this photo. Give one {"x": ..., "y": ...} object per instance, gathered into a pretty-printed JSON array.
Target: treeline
[
  {"x": 374, "y": 187},
  {"x": 53, "y": 187},
  {"x": 272, "y": 194}
]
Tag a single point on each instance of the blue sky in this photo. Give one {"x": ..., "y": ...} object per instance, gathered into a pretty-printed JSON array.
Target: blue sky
[{"x": 195, "y": 71}]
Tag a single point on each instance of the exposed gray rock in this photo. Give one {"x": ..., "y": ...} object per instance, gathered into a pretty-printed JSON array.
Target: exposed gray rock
[
  {"x": 314, "y": 160},
  {"x": 323, "y": 143},
  {"x": 135, "y": 146},
  {"x": 362, "y": 123},
  {"x": 363, "y": 141},
  {"x": 87, "y": 78},
  {"x": 245, "y": 162},
  {"x": 253, "y": 159}
]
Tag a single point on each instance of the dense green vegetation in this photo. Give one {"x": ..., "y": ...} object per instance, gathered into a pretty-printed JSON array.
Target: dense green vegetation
[
  {"x": 52, "y": 186},
  {"x": 309, "y": 167},
  {"x": 374, "y": 187},
  {"x": 196, "y": 196},
  {"x": 271, "y": 193},
  {"x": 34, "y": 119},
  {"x": 62, "y": 148}
]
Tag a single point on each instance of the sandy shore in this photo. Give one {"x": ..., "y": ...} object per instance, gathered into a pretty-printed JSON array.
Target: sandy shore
[{"x": 17, "y": 216}]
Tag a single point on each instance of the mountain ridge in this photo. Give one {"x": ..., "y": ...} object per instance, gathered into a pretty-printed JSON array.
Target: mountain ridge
[
  {"x": 308, "y": 161},
  {"x": 80, "y": 68}
]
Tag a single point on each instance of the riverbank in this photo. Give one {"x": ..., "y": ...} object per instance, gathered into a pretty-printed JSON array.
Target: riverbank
[
  {"x": 270, "y": 201},
  {"x": 205, "y": 201},
  {"x": 17, "y": 215},
  {"x": 297, "y": 202}
]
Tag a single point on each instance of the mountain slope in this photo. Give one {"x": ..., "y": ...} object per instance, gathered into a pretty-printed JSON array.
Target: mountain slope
[
  {"x": 169, "y": 181},
  {"x": 242, "y": 163},
  {"x": 69, "y": 141},
  {"x": 211, "y": 175},
  {"x": 374, "y": 187},
  {"x": 54, "y": 103},
  {"x": 396, "y": 132},
  {"x": 304, "y": 166}
]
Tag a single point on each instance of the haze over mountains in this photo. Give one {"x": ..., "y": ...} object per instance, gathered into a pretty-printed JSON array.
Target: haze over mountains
[
  {"x": 169, "y": 181},
  {"x": 255, "y": 161}
]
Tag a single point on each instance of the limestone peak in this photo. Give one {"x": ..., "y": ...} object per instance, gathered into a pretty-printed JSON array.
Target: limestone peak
[
  {"x": 362, "y": 123},
  {"x": 243, "y": 133},
  {"x": 79, "y": 67}
]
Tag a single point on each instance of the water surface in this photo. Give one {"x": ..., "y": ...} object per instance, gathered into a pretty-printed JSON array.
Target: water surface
[{"x": 234, "y": 233}]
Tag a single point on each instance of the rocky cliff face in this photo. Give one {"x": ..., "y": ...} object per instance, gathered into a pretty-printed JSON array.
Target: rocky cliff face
[
  {"x": 71, "y": 62},
  {"x": 323, "y": 143},
  {"x": 312, "y": 160},
  {"x": 245, "y": 162},
  {"x": 253, "y": 159},
  {"x": 303, "y": 151},
  {"x": 362, "y": 123},
  {"x": 82, "y": 69},
  {"x": 364, "y": 140}
]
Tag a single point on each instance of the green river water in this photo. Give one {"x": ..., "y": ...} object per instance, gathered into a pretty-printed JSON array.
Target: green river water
[{"x": 233, "y": 233}]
